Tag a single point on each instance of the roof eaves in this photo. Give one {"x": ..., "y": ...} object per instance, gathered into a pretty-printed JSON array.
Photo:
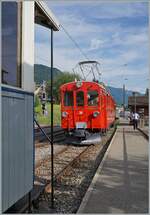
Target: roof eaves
[{"x": 49, "y": 14}]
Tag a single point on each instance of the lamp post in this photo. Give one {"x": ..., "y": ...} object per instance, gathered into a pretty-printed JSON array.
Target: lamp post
[
  {"x": 124, "y": 94},
  {"x": 124, "y": 100},
  {"x": 134, "y": 101}
]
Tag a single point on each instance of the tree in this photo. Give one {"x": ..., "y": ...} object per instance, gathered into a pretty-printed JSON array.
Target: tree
[
  {"x": 59, "y": 80},
  {"x": 36, "y": 101}
]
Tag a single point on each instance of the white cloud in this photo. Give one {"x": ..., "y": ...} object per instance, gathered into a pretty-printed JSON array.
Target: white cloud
[
  {"x": 96, "y": 44},
  {"x": 64, "y": 59},
  {"x": 101, "y": 9},
  {"x": 120, "y": 10},
  {"x": 131, "y": 37}
]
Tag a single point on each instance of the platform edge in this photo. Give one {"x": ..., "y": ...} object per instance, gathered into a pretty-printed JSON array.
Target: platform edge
[{"x": 91, "y": 187}]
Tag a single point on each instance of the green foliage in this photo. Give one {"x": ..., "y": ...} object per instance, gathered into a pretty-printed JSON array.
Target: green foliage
[
  {"x": 46, "y": 120},
  {"x": 37, "y": 101},
  {"x": 59, "y": 80}
]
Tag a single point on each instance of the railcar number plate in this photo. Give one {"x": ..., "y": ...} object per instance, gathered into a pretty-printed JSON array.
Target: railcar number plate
[{"x": 81, "y": 125}]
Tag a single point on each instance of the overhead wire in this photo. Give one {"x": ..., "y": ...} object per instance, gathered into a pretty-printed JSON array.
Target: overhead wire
[
  {"x": 77, "y": 46},
  {"x": 46, "y": 61},
  {"x": 75, "y": 43}
]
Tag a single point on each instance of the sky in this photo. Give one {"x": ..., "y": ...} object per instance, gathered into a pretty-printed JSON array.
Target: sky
[{"x": 113, "y": 33}]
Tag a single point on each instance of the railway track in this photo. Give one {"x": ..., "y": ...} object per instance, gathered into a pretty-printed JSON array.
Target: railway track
[
  {"x": 40, "y": 139},
  {"x": 63, "y": 162},
  {"x": 47, "y": 158},
  {"x": 71, "y": 160}
]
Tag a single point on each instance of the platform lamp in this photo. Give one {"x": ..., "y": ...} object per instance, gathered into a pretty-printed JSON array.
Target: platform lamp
[
  {"x": 134, "y": 94},
  {"x": 124, "y": 94}
]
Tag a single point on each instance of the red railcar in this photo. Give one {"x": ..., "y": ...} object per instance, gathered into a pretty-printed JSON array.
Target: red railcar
[{"x": 86, "y": 106}]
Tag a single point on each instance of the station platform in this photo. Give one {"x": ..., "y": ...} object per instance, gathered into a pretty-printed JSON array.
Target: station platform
[
  {"x": 120, "y": 184},
  {"x": 145, "y": 129}
]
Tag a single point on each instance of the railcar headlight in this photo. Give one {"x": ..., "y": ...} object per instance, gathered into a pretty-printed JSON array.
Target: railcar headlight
[
  {"x": 64, "y": 114},
  {"x": 96, "y": 113}
]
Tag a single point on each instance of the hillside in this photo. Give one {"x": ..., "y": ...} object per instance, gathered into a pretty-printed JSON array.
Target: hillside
[
  {"x": 42, "y": 72},
  {"x": 117, "y": 93}
]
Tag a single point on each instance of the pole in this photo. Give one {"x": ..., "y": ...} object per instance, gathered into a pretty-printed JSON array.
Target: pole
[
  {"x": 29, "y": 205},
  {"x": 124, "y": 100},
  {"x": 135, "y": 102},
  {"x": 52, "y": 160}
]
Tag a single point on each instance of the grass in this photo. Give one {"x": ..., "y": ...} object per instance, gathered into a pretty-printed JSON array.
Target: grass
[{"x": 46, "y": 120}]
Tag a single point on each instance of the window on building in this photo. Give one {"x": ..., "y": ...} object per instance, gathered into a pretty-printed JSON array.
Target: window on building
[
  {"x": 11, "y": 38},
  {"x": 80, "y": 98},
  {"x": 92, "y": 98},
  {"x": 68, "y": 98}
]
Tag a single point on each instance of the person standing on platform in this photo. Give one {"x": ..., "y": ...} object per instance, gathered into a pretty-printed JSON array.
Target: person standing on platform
[{"x": 135, "y": 118}]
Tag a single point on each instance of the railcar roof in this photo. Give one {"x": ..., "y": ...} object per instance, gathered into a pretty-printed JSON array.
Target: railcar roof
[
  {"x": 91, "y": 82},
  {"x": 88, "y": 61}
]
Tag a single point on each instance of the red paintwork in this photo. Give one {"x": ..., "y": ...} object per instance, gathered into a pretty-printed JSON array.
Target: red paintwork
[{"x": 106, "y": 107}]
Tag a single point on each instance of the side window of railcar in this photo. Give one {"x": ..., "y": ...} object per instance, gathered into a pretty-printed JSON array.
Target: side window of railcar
[
  {"x": 80, "y": 98},
  {"x": 108, "y": 102},
  {"x": 68, "y": 98},
  {"x": 102, "y": 99},
  {"x": 11, "y": 43},
  {"x": 92, "y": 98}
]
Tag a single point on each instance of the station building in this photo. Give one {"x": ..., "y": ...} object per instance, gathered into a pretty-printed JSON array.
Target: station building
[
  {"x": 140, "y": 104},
  {"x": 17, "y": 94}
]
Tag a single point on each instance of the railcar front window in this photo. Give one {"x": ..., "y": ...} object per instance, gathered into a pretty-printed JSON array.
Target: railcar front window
[
  {"x": 11, "y": 73},
  {"x": 80, "y": 98},
  {"x": 68, "y": 98},
  {"x": 92, "y": 98}
]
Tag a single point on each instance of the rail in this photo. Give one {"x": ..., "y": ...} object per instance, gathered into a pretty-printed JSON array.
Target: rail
[
  {"x": 42, "y": 130},
  {"x": 58, "y": 134},
  {"x": 52, "y": 166}
]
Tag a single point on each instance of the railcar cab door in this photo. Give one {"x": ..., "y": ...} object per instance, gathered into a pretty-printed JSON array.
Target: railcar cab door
[
  {"x": 103, "y": 109},
  {"x": 93, "y": 106},
  {"x": 79, "y": 109},
  {"x": 67, "y": 108}
]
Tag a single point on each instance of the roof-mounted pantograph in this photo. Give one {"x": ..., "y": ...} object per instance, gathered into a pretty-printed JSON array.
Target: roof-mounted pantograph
[{"x": 89, "y": 69}]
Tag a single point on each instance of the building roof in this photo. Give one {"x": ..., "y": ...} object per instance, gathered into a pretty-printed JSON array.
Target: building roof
[
  {"x": 45, "y": 17},
  {"x": 138, "y": 100}
]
